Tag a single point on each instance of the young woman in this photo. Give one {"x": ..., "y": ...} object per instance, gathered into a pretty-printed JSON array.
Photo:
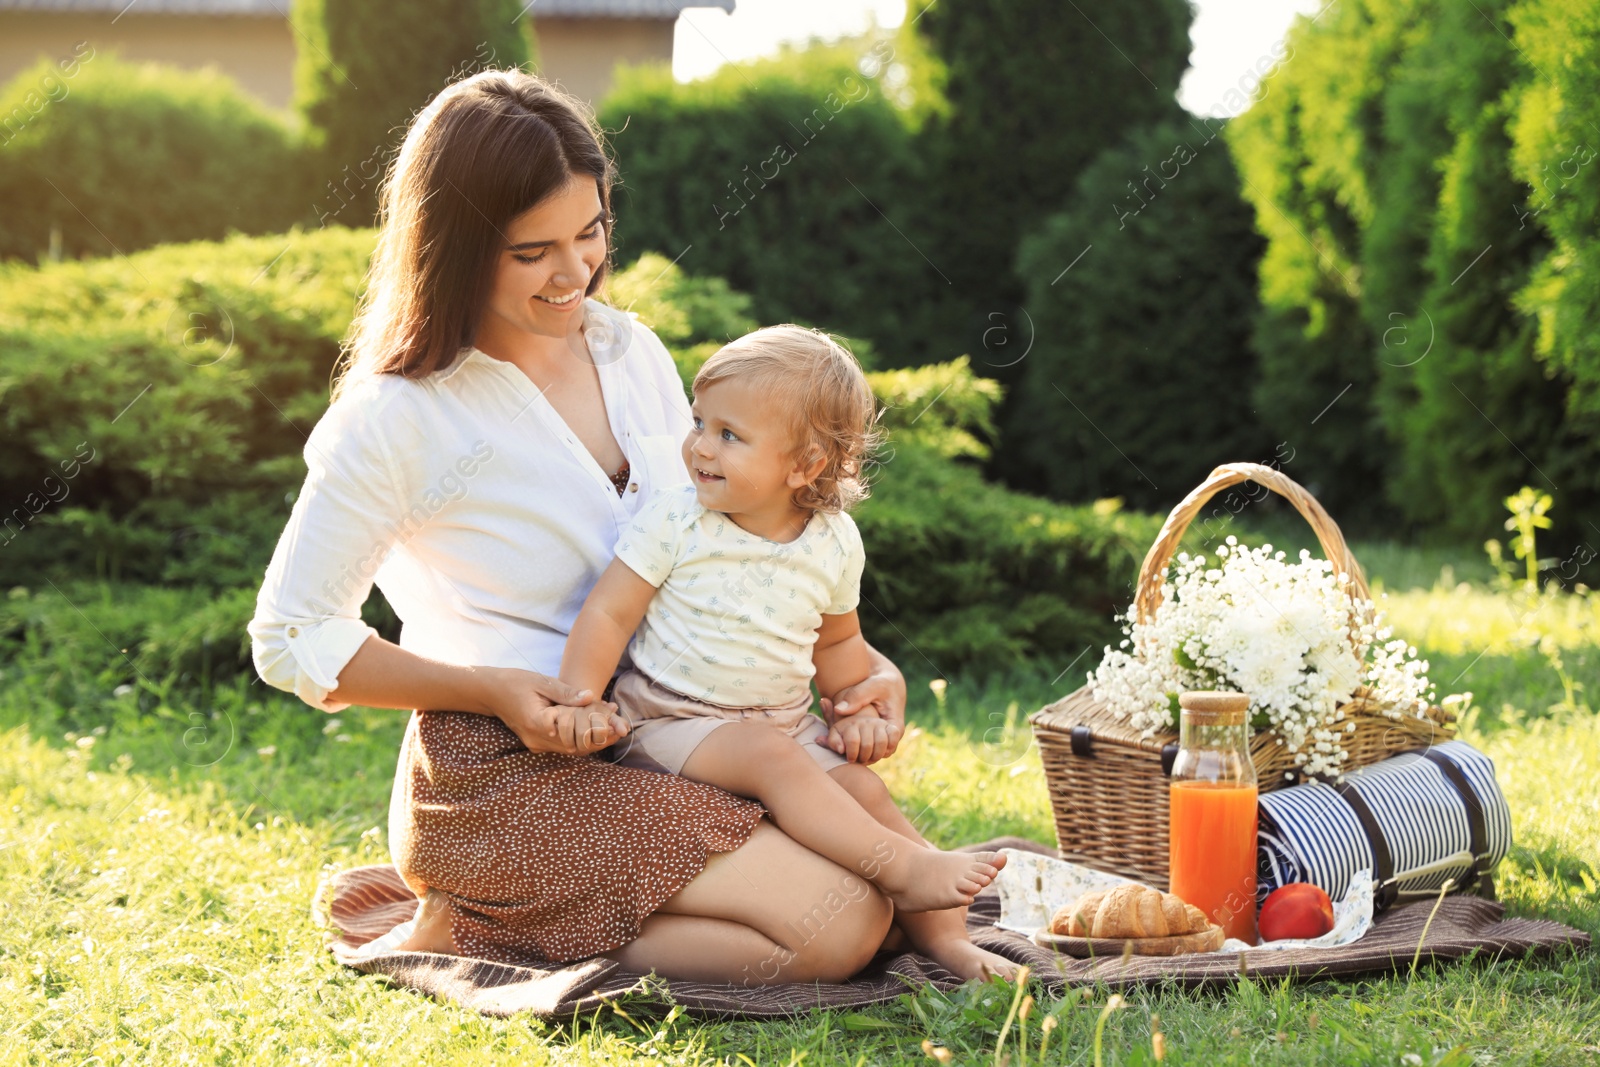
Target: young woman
[{"x": 494, "y": 430}]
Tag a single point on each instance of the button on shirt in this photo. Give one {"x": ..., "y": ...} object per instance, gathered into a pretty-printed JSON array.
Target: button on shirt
[
  {"x": 469, "y": 501},
  {"x": 735, "y": 616}
]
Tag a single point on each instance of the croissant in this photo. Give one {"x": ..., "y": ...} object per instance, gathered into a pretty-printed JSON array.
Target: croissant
[{"x": 1129, "y": 911}]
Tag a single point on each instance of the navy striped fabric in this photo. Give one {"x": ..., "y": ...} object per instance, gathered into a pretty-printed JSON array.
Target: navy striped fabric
[{"x": 1310, "y": 834}]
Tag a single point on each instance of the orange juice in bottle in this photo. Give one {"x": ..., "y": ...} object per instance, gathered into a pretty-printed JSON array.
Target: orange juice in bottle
[{"x": 1212, "y": 847}]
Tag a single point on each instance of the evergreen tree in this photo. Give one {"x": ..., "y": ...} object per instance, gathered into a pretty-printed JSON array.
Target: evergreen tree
[
  {"x": 364, "y": 70},
  {"x": 1478, "y": 416},
  {"x": 1556, "y": 155},
  {"x": 1409, "y": 254},
  {"x": 1137, "y": 382},
  {"x": 1034, "y": 90},
  {"x": 1308, "y": 153}
]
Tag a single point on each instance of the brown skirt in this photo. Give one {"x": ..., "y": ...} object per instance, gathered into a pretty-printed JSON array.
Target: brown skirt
[{"x": 543, "y": 856}]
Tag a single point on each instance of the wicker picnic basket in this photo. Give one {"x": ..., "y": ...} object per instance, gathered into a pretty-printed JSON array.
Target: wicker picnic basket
[{"x": 1108, "y": 784}]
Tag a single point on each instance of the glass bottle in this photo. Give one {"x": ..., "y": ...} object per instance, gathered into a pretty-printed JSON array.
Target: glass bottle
[{"x": 1212, "y": 844}]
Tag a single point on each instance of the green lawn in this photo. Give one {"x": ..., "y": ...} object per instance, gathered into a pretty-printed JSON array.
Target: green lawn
[{"x": 159, "y": 850}]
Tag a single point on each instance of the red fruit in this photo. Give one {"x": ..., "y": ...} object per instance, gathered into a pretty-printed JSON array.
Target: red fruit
[{"x": 1296, "y": 911}]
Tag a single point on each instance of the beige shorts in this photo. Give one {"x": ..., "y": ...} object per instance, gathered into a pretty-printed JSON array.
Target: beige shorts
[{"x": 665, "y": 727}]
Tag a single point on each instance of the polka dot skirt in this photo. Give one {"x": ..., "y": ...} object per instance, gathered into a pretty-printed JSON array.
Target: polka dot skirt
[{"x": 547, "y": 857}]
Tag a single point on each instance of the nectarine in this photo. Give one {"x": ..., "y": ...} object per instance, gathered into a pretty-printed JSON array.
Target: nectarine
[{"x": 1298, "y": 910}]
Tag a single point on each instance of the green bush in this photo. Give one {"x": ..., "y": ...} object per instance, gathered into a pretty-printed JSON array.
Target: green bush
[
  {"x": 944, "y": 407},
  {"x": 693, "y": 316},
  {"x": 965, "y": 575},
  {"x": 155, "y": 406},
  {"x": 1136, "y": 382},
  {"x": 771, "y": 175},
  {"x": 174, "y": 633},
  {"x": 113, "y": 157}
]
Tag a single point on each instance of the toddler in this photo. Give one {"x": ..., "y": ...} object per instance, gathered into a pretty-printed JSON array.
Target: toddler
[{"x": 734, "y": 593}]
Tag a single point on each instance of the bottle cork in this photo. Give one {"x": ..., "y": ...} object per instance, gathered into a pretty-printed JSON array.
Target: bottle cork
[{"x": 1215, "y": 708}]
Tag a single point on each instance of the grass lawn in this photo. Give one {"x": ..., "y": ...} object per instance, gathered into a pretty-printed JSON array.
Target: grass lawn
[{"x": 159, "y": 849}]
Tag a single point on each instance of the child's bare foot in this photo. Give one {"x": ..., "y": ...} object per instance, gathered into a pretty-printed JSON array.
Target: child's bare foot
[
  {"x": 930, "y": 880},
  {"x": 967, "y": 961}
]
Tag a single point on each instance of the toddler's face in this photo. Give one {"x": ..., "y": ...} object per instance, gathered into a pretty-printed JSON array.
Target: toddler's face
[{"x": 738, "y": 452}]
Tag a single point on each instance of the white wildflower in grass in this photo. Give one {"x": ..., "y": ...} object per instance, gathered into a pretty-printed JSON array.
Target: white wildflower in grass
[{"x": 1282, "y": 632}]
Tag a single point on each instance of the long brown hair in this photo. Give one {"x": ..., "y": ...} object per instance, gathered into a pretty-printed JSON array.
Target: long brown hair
[{"x": 482, "y": 152}]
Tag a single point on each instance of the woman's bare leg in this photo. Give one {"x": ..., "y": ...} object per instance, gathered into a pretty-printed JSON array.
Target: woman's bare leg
[
  {"x": 941, "y": 935},
  {"x": 769, "y": 911},
  {"x": 700, "y": 949},
  {"x": 755, "y": 760}
]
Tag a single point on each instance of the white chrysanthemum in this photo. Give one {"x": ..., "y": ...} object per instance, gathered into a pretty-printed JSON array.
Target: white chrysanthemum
[{"x": 1282, "y": 632}]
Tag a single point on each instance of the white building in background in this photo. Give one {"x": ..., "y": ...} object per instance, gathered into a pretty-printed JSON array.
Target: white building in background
[{"x": 580, "y": 41}]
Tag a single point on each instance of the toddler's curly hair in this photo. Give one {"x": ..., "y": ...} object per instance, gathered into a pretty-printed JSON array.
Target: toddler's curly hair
[{"x": 833, "y": 412}]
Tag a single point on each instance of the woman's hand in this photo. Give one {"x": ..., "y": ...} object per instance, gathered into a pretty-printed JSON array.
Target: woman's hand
[{"x": 549, "y": 715}]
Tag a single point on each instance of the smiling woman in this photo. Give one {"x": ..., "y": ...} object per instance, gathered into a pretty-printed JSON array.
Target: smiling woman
[
  {"x": 479, "y": 334},
  {"x": 458, "y": 208}
]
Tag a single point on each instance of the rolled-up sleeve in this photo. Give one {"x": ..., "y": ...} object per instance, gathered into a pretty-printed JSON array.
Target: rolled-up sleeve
[{"x": 307, "y": 624}]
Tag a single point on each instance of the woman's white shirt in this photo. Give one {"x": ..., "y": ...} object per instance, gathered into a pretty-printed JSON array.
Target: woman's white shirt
[{"x": 471, "y": 504}]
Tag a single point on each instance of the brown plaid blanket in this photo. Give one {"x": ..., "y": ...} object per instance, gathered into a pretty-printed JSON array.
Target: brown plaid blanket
[{"x": 366, "y": 902}]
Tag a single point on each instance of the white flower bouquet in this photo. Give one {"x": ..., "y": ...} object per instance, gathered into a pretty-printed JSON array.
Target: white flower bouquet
[{"x": 1287, "y": 633}]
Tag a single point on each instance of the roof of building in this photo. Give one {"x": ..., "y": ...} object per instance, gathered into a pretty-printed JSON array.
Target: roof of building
[
  {"x": 247, "y": 8},
  {"x": 614, "y": 9},
  {"x": 620, "y": 9}
]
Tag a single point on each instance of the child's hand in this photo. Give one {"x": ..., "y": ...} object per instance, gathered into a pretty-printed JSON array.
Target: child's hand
[
  {"x": 535, "y": 707},
  {"x": 582, "y": 731},
  {"x": 588, "y": 730},
  {"x": 864, "y": 737}
]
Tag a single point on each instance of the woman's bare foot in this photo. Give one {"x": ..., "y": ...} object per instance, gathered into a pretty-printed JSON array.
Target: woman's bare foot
[
  {"x": 432, "y": 931},
  {"x": 930, "y": 880},
  {"x": 967, "y": 961}
]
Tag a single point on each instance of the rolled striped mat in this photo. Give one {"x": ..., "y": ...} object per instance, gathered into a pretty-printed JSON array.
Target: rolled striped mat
[{"x": 1415, "y": 820}]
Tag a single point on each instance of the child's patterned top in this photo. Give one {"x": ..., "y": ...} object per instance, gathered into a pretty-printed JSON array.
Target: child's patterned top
[{"x": 735, "y": 615}]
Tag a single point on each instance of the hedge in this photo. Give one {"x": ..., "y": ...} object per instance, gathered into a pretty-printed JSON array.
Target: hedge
[
  {"x": 107, "y": 157},
  {"x": 177, "y": 386},
  {"x": 362, "y": 70}
]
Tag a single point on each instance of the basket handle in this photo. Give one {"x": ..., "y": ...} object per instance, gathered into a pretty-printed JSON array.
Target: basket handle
[{"x": 1153, "y": 572}]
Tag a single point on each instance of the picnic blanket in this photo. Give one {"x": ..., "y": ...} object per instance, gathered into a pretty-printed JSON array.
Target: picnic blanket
[{"x": 366, "y": 902}]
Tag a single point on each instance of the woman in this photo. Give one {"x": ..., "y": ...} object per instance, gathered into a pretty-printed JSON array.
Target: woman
[{"x": 492, "y": 430}]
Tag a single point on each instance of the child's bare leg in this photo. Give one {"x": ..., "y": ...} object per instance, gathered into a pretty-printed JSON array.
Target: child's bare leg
[
  {"x": 942, "y": 934},
  {"x": 755, "y": 760}
]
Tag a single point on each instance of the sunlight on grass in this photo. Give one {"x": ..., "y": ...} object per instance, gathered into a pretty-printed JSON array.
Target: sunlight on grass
[
  {"x": 159, "y": 851},
  {"x": 1548, "y": 770},
  {"x": 958, "y": 790},
  {"x": 1471, "y": 619},
  {"x": 147, "y": 924}
]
